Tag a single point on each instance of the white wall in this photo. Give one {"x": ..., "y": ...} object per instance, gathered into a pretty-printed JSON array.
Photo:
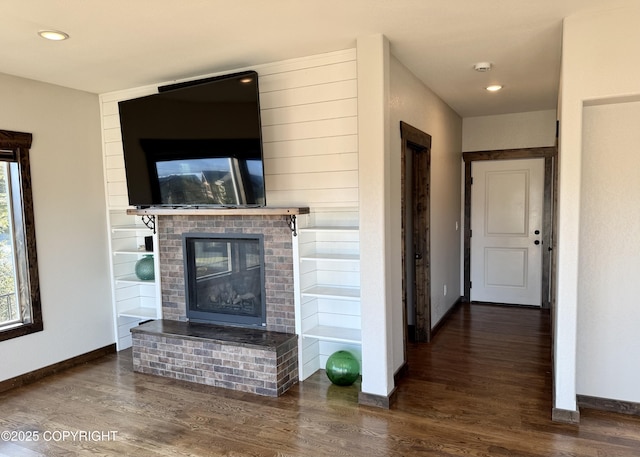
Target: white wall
[
  {"x": 378, "y": 337},
  {"x": 69, "y": 206},
  {"x": 309, "y": 110},
  {"x": 608, "y": 319},
  {"x": 534, "y": 129},
  {"x": 599, "y": 63},
  {"x": 414, "y": 103}
]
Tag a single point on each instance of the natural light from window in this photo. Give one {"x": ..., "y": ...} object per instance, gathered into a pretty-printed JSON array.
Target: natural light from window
[
  {"x": 20, "y": 307},
  {"x": 9, "y": 306}
]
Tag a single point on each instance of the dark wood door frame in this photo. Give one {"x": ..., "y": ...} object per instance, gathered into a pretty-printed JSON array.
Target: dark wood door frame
[
  {"x": 414, "y": 142},
  {"x": 549, "y": 154}
]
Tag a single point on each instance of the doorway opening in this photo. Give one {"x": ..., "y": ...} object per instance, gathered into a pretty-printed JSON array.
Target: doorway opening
[
  {"x": 547, "y": 229},
  {"x": 415, "y": 182}
]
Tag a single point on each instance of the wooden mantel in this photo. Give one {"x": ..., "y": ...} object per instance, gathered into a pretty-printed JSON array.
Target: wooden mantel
[
  {"x": 258, "y": 211},
  {"x": 149, "y": 214}
]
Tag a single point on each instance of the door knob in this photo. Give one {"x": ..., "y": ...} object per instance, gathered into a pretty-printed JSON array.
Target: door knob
[
  {"x": 418, "y": 256},
  {"x": 537, "y": 232},
  {"x": 536, "y": 242}
]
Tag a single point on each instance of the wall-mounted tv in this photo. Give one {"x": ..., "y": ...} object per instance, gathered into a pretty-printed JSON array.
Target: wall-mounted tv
[{"x": 195, "y": 144}]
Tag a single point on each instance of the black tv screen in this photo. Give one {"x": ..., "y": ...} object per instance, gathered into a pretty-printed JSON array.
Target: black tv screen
[{"x": 195, "y": 144}]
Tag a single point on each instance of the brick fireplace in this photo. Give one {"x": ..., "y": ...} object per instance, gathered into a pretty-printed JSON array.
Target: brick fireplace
[
  {"x": 278, "y": 262},
  {"x": 258, "y": 360}
]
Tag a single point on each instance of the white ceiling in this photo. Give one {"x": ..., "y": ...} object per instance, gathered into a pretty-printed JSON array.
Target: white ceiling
[{"x": 122, "y": 44}]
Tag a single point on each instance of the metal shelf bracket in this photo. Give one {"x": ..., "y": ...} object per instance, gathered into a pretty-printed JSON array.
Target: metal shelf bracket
[
  {"x": 150, "y": 222},
  {"x": 292, "y": 224}
]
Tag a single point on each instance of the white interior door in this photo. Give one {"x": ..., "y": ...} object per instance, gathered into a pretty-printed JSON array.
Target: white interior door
[{"x": 506, "y": 224}]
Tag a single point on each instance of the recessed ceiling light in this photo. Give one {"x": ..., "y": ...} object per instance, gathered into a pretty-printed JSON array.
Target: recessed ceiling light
[
  {"x": 53, "y": 35},
  {"x": 494, "y": 88}
]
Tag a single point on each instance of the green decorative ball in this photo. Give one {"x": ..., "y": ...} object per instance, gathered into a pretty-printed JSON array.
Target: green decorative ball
[
  {"x": 342, "y": 368},
  {"x": 144, "y": 268}
]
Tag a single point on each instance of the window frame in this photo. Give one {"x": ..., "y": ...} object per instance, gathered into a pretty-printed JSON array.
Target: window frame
[{"x": 14, "y": 147}]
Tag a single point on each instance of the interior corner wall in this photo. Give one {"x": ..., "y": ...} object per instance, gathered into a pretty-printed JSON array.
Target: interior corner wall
[
  {"x": 69, "y": 211},
  {"x": 414, "y": 103},
  {"x": 534, "y": 129},
  {"x": 598, "y": 66}
]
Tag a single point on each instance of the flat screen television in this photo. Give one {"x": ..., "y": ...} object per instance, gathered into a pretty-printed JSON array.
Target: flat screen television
[{"x": 195, "y": 144}]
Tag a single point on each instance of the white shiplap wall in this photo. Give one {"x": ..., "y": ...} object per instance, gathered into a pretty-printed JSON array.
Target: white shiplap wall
[
  {"x": 310, "y": 137},
  {"x": 309, "y": 126}
]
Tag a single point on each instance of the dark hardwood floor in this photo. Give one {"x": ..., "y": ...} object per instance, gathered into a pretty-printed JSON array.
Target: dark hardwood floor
[{"x": 481, "y": 388}]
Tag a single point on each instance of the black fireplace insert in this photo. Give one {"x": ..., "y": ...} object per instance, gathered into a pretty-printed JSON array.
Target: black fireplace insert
[{"x": 224, "y": 278}]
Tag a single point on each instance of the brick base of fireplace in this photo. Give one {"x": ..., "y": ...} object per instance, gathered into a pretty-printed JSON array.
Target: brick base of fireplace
[{"x": 249, "y": 360}]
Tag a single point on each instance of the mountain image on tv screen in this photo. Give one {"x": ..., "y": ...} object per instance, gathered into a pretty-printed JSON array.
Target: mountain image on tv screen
[{"x": 210, "y": 181}]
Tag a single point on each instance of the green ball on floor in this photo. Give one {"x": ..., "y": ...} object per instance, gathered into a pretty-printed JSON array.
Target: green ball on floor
[{"x": 342, "y": 368}]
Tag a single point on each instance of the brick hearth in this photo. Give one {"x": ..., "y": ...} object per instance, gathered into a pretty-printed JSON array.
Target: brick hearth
[{"x": 256, "y": 361}]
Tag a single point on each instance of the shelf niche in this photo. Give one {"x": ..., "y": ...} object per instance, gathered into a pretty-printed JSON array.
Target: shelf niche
[{"x": 329, "y": 314}]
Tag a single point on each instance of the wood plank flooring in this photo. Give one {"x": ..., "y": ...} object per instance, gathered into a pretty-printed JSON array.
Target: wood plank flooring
[{"x": 482, "y": 388}]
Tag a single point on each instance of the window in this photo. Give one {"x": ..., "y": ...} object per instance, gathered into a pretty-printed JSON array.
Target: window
[{"x": 20, "y": 311}]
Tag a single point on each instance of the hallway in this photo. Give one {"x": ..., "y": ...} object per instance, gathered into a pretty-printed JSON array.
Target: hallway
[{"x": 486, "y": 381}]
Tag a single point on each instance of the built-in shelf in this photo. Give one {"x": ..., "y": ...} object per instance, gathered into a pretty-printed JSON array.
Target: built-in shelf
[
  {"x": 134, "y": 300},
  {"x": 329, "y": 229},
  {"x": 139, "y": 313},
  {"x": 133, "y": 280},
  {"x": 223, "y": 211},
  {"x": 336, "y": 334},
  {"x": 328, "y": 270},
  {"x": 133, "y": 252},
  {"x": 332, "y": 257},
  {"x": 339, "y": 293},
  {"x": 129, "y": 228}
]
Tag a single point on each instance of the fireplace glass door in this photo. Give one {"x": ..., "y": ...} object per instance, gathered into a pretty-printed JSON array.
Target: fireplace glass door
[{"x": 225, "y": 279}]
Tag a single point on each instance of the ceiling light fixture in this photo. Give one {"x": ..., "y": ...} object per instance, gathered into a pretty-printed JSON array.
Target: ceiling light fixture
[
  {"x": 494, "y": 88},
  {"x": 53, "y": 35},
  {"x": 482, "y": 67}
]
